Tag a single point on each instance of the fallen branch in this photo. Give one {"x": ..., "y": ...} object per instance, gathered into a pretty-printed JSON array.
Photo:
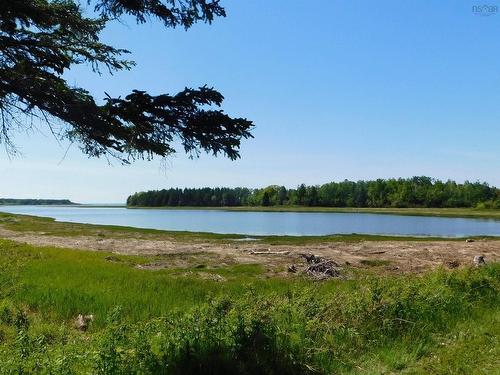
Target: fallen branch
[{"x": 270, "y": 252}]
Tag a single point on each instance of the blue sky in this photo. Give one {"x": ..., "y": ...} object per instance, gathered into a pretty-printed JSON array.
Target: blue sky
[{"x": 336, "y": 89}]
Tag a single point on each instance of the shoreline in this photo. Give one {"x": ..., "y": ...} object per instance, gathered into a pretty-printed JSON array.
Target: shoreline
[
  {"x": 171, "y": 250},
  {"x": 50, "y": 226}
]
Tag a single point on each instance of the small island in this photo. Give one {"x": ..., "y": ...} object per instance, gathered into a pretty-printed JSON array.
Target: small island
[{"x": 35, "y": 202}]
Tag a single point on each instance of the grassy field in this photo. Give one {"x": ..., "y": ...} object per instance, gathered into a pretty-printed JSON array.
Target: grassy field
[{"x": 179, "y": 321}]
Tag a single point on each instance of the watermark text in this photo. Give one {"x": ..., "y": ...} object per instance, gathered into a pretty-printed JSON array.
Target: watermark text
[{"x": 485, "y": 10}]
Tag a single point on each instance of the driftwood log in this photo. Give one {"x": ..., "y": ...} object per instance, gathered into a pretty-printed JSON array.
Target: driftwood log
[{"x": 269, "y": 252}]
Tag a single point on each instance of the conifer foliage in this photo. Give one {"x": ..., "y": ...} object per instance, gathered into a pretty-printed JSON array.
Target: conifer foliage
[{"x": 40, "y": 40}]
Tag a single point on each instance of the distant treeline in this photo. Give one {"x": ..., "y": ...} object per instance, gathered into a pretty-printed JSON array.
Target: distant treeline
[
  {"x": 10, "y": 201},
  {"x": 410, "y": 192}
]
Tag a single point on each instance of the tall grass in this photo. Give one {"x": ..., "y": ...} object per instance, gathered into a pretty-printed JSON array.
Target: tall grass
[
  {"x": 66, "y": 282},
  {"x": 164, "y": 322}
]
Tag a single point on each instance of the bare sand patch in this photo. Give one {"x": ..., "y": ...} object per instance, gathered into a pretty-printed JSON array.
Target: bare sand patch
[{"x": 395, "y": 256}]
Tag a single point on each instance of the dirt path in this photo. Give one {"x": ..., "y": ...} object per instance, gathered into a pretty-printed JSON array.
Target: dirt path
[{"x": 398, "y": 256}]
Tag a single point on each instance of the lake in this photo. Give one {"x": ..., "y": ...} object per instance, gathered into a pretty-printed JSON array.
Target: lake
[{"x": 266, "y": 223}]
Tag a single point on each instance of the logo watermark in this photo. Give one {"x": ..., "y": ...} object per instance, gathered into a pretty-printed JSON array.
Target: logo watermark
[{"x": 485, "y": 10}]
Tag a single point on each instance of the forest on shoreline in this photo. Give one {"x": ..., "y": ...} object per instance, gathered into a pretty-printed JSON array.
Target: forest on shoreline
[
  {"x": 34, "y": 202},
  {"x": 415, "y": 192}
]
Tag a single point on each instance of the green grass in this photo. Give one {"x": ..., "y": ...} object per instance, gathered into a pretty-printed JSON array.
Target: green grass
[
  {"x": 67, "y": 282},
  {"x": 176, "y": 321},
  {"x": 375, "y": 262},
  {"x": 468, "y": 349},
  {"x": 48, "y": 226}
]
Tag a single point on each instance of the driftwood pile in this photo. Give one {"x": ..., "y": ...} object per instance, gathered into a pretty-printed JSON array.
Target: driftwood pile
[
  {"x": 324, "y": 269},
  {"x": 318, "y": 267}
]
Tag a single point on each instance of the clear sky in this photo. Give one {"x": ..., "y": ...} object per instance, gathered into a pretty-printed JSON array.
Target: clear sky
[{"x": 336, "y": 89}]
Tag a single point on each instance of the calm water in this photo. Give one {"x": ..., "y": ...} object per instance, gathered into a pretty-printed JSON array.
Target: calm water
[{"x": 267, "y": 223}]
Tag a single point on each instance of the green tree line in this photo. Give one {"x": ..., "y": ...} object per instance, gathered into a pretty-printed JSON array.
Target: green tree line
[
  {"x": 402, "y": 192},
  {"x": 10, "y": 201}
]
